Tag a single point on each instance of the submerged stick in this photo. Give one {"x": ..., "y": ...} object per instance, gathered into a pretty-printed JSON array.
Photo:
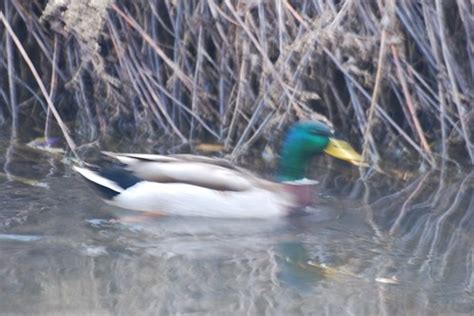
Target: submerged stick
[{"x": 45, "y": 93}]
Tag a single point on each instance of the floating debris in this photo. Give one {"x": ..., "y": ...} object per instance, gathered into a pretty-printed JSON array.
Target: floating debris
[
  {"x": 209, "y": 148},
  {"x": 330, "y": 271},
  {"x": 392, "y": 280},
  {"x": 27, "y": 181},
  {"x": 45, "y": 144}
]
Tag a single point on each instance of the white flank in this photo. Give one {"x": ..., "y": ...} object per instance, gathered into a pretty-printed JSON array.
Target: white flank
[
  {"x": 96, "y": 178},
  {"x": 189, "y": 200}
]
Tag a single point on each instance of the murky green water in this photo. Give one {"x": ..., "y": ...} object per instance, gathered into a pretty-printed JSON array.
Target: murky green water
[{"x": 404, "y": 253}]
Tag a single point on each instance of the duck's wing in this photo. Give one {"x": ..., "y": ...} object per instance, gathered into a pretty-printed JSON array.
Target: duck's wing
[{"x": 212, "y": 173}]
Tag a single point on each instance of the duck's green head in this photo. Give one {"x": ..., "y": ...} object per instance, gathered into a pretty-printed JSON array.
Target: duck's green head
[{"x": 306, "y": 139}]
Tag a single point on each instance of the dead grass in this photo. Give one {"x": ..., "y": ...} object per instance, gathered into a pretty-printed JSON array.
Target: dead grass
[{"x": 395, "y": 77}]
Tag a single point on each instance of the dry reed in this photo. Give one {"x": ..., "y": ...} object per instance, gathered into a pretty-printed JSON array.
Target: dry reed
[{"x": 395, "y": 77}]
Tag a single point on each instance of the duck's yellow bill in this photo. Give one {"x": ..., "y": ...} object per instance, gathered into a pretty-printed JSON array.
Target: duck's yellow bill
[{"x": 341, "y": 149}]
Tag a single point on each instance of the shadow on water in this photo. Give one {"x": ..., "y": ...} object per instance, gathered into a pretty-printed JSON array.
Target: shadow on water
[{"x": 403, "y": 251}]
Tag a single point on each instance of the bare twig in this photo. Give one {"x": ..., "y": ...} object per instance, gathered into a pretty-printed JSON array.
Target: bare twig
[
  {"x": 454, "y": 88},
  {"x": 410, "y": 105},
  {"x": 27, "y": 59},
  {"x": 378, "y": 78},
  {"x": 11, "y": 81}
]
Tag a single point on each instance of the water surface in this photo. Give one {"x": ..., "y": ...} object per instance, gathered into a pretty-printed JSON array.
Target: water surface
[{"x": 372, "y": 252}]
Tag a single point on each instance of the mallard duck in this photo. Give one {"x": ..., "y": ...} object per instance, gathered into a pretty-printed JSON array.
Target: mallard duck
[{"x": 190, "y": 185}]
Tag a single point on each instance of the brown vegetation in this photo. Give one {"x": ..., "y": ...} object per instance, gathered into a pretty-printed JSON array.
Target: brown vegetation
[{"x": 394, "y": 76}]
